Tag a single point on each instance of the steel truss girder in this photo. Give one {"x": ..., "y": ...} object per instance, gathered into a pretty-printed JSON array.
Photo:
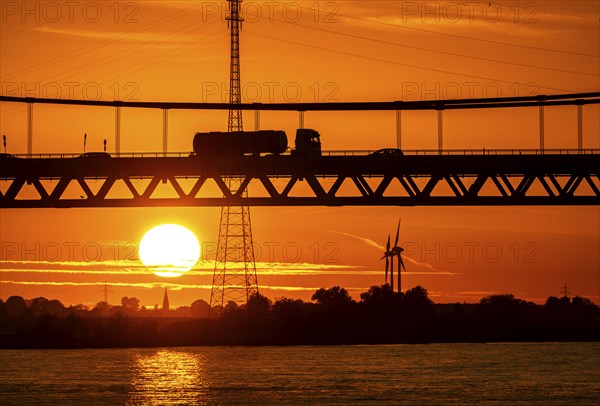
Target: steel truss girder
[{"x": 419, "y": 181}]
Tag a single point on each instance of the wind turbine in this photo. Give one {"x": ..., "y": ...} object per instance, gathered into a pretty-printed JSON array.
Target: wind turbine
[{"x": 389, "y": 255}]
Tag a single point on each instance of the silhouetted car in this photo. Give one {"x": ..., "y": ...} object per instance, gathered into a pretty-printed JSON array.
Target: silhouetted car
[
  {"x": 388, "y": 152},
  {"x": 95, "y": 155}
]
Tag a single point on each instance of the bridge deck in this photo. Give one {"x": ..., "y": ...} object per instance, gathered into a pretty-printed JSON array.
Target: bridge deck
[{"x": 491, "y": 177}]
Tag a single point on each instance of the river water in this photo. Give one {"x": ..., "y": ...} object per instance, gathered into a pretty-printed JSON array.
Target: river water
[{"x": 504, "y": 373}]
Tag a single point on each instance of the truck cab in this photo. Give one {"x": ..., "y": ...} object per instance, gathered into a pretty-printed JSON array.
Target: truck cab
[{"x": 308, "y": 143}]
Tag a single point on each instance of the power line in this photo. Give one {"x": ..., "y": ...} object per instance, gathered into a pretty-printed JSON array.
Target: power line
[
  {"x": 126, "y": 53},
  {"x": 465, "y": 36},
  {"x": 442, "y": 52},
  {"x": 163, "y": 57},
  {"x": 160, "y": 58},
  {"x": 13, "y": 110},
  {"x": 87, "y": 49},
  {"x": 399, "y": 63}
]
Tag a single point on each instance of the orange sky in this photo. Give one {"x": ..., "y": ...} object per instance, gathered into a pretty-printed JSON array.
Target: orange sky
[{"x": 294, "y": 51}]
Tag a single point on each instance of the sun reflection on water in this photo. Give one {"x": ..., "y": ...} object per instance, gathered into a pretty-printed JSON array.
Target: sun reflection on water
[{"x": 169, "y": 377}]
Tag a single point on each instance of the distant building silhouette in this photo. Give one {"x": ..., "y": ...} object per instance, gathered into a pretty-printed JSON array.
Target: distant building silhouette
[{"x": 165, "y": 306}]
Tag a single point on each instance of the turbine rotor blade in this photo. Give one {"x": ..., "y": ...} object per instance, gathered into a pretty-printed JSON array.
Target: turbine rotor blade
[
  {"x": 397, "y": 234},
  {"x": 401, "y": 262}
]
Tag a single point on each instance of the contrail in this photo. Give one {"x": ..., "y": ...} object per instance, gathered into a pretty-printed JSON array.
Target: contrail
[
  {"x": 374, "y": 244},
  {"x": 367, "y": 241}
]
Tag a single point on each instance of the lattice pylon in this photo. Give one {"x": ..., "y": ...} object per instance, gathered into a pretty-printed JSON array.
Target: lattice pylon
[{"x": 234, "y": 277}]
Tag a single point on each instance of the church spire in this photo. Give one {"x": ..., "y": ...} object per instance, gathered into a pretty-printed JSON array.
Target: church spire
[{"x": 166, "y": 301}]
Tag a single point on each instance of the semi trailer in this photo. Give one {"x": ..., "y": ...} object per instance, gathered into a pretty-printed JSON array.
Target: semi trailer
[{"x": 275, "y": 142}]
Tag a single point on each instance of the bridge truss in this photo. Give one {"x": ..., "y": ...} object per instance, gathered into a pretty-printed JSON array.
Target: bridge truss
[{"x": 471, "y": 178}]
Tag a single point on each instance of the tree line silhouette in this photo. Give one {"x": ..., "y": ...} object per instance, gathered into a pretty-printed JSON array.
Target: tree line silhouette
[{"x": 332, "y": 317}]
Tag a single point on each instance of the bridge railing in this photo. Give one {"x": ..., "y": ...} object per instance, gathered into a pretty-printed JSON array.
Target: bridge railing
[
  {"x": 333, "y": 153},
  {"x": 79, "y": 155},
  {"x": 481, "y": 151}
]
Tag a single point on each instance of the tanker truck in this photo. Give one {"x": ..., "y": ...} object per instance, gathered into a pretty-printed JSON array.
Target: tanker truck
[{"x": 273, "y": 142}]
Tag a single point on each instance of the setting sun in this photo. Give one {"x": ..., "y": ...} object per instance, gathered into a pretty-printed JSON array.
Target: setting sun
[{"x": 169, "y": 249}]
